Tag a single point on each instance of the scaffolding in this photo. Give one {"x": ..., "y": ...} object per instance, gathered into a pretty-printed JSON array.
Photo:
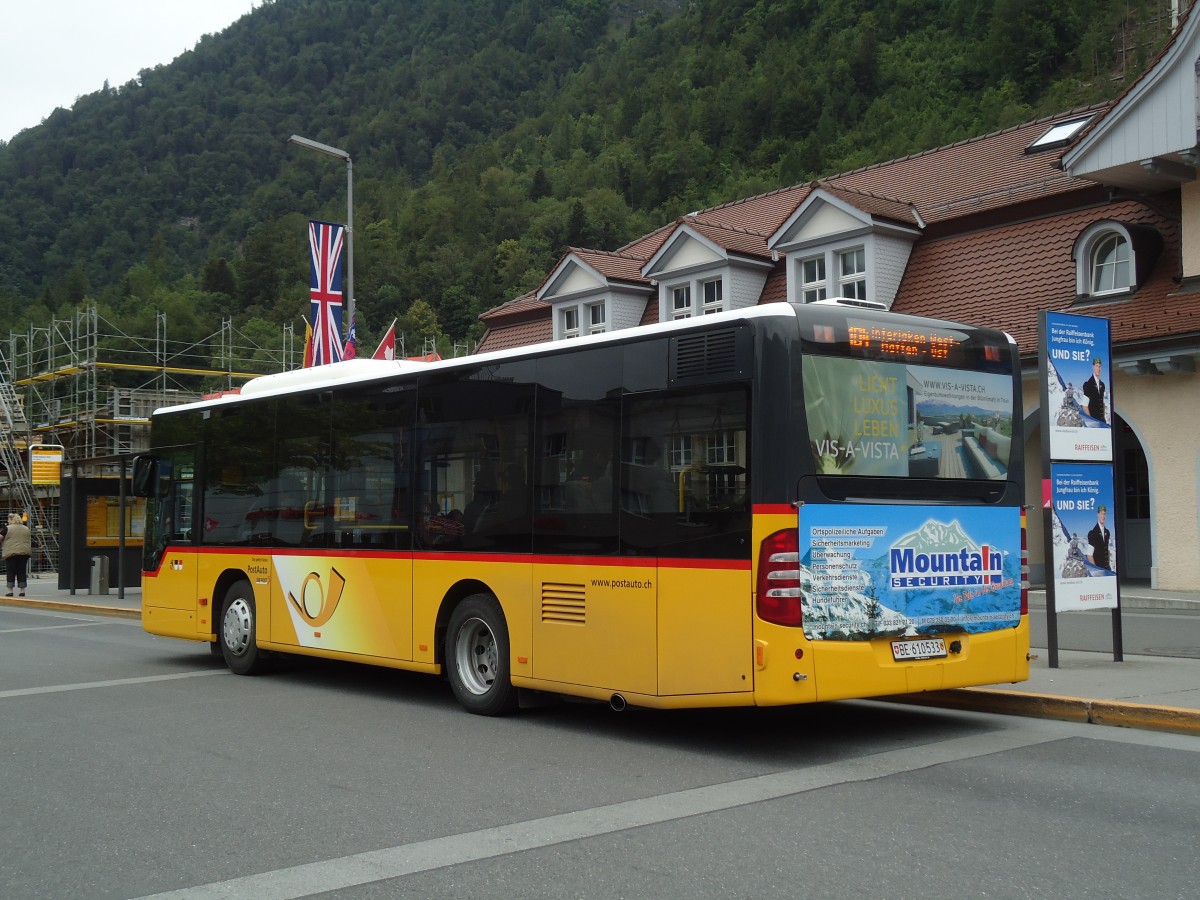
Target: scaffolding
[{"x": 90, "y": 387}]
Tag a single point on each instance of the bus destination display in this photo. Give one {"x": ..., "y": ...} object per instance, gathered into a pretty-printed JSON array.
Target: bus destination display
[{"x": 905, "y": 343}]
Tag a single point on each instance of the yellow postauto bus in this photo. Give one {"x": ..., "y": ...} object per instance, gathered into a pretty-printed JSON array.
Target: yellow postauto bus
[{"x": 778, "y": 505}]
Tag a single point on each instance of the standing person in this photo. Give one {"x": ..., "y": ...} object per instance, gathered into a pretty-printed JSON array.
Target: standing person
[
  {"x": 17, "y": 549},
  {"x": 1093, "y": 389},
  {"x": 1099, "y": 538}
]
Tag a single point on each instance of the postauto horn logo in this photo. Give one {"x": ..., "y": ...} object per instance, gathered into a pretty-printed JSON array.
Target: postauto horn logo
[{"x": 317, "y": 600}]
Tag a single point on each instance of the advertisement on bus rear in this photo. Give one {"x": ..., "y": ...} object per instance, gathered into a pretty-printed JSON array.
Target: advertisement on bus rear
[
  {"x": 870, "y": 571},
  {"x": 867, "y": 417}
]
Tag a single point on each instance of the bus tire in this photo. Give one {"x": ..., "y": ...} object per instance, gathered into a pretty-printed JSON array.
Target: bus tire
[
  {"x": 238, "y": 634},
  {"x": 477, "y": 657}
]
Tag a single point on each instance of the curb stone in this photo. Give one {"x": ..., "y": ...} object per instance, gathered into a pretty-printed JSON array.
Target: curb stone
[
  {"x": 116, "y": 612},
  {"x": 1068, "y": 709}
]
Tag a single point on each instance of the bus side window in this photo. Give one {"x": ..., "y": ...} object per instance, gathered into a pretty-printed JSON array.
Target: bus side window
[
  {"x": 368, "y": 498},
  {"x": 684, "y": 467},
  {"x": 473, "y": 461},
  {"x": 576, "y": 440}
]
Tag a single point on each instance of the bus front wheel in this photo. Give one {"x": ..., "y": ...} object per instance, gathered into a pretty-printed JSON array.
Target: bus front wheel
[
  {"x": 239, "y": 629},
  {"x": 477, "y": 660}
]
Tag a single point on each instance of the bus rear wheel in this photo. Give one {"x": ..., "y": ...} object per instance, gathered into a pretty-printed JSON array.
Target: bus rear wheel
[
  {"x": 477, "y": 657},
  {"x": 239, "y": 630}
]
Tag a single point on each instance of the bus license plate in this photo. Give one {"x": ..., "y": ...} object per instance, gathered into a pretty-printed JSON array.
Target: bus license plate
[{"x": 927, "y": 649}]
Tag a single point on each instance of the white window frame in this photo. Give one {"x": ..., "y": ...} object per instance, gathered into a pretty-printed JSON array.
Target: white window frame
[
  {"x": 712, "y": 292},
  {"x": 570, "y": 322},
  {"x": 817, "y": 287},
  {"x": 852, "y": 283},
  {"x": 681, "y": 310},
  {"x": 1097, "y": 277},
  {"x": 596, "y": 318},
  {"x": 1112, "y": 274}
]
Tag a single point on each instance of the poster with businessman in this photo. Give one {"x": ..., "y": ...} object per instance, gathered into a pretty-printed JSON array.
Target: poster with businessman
[
  {"x": 1078, "y": 387},
  {"x": 1085, "y": 545}
]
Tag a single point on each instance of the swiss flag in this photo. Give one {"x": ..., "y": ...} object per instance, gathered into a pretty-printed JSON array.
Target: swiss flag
[{"x": 387, "y": 347}]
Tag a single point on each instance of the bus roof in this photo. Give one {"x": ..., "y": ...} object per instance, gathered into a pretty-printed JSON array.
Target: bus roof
[{"x": 359, "y": 371}]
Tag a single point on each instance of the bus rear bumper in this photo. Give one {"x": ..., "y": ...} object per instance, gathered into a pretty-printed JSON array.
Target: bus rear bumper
[{"x": 848, "y": 670}]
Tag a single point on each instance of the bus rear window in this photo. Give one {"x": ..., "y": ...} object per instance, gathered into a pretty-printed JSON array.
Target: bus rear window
[{"x": 870, "y": 417}]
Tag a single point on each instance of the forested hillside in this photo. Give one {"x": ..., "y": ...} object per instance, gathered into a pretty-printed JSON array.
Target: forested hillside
[{"x": 488, "y": 135}]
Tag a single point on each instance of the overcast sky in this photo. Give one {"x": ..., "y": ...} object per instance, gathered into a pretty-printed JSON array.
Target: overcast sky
[{"x": 57, "y": 50}]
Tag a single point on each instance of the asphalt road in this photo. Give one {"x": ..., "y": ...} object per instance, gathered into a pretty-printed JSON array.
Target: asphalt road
[
  {"x": 132, "y": 766},
  {"x": 1144, "y": 632}
]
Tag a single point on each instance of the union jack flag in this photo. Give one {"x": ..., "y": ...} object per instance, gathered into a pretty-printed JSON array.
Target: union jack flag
[{"x": 325, "y": 242}]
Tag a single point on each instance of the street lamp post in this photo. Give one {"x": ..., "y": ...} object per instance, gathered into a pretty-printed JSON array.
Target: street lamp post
[{"x": 340, "y": 154}]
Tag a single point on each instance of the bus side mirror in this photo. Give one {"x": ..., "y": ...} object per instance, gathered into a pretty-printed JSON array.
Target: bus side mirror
[{"x": 145, "y": 468}]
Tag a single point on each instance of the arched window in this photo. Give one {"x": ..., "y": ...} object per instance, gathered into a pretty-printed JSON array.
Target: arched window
[
  {"x": 1112, "y": 258},
  {"x": 1110, "y": 264}
]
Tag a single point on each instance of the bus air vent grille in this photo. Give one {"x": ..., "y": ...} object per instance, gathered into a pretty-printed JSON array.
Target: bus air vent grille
[
  {"x": 564, "y": 603},
  {"x": 710, "y": 356}
]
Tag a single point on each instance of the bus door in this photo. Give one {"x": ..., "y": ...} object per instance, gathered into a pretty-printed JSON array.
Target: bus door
[
  {"x": 684, "y": 501},
  {"x": 169, "y": 560},
  {"x": 595, "y": 609},
  {"x": 339, "y": 514}
]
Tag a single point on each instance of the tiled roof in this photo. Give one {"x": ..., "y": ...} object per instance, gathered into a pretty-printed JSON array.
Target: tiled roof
[
  {"x": 776, "y": 286},
  {"x": 517, "y": 335},
  {"x": 526, "y": 303},
  {"x": 1006, "y": 275},
  {"x": 972, "y": 176},
  {"x": 884, "y": 207},
  {"x": 1020, "y": 266},
  {"x": 647, "y": 245},
  {"x": 622, "y": 266},
  {"x": 650, "y": 313},
  {"x": 736, "y": 240},
  {"x": 762, "y": 214}
]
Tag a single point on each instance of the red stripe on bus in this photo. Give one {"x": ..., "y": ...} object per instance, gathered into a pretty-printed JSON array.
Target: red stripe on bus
[
  {"x": 729, "y": 564},
  {"x": 452, "y": 556},
  {"x": 774, "y": 509}
]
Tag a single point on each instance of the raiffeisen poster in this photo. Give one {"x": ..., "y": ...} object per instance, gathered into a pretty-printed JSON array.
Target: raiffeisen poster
[
  {"x": 892, "y": 419},
  {"x": 869, "y": 571},
  {"x": 1083, "y": 536},
  {"x": 1079, "y": 387}
]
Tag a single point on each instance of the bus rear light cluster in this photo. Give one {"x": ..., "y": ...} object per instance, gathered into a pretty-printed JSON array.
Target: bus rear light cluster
[{"x": 778, "y": 588}]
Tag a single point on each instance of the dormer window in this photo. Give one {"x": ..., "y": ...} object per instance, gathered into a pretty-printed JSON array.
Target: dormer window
[
  {"x": 596, "y": 318},
  {"x": 713, "y": 296},
  {"x": 812, "y": 279},
  {"x": 852, "y": 274},
  {"x": 681, "y": 302},
  {"x": 570, "y": 322},
  {"x": 1112, "y": 259},
  {"x": 1109, "y": 264}
]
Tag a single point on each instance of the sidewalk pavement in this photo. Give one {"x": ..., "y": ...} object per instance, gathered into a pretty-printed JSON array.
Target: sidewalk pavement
[{"x": 1154, "y": 692}]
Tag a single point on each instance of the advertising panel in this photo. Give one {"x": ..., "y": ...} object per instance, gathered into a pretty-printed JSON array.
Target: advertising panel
[
  {"x": 894, "y": 419},
  {"x": 1081, "y": 531},
  {"x": 871, "y": 571},
  {"x": 1078, "y": 385}
]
